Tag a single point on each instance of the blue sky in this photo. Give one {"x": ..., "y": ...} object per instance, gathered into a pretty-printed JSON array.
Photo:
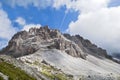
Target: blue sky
[
  {"x": 96, "y": 20},
  {"x": 44, "y": 16}
]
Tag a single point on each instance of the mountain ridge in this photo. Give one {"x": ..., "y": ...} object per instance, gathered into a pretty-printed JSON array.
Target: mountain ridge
[
  {"x": 42, "y": 35},
  {"x": 59, "y": 56},
  {"x": 85, "y": 44}
]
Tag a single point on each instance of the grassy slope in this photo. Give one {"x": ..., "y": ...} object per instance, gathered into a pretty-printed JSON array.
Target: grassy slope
[
  {"x": 52, "y": 73},
  {"x": 1, "y": 78},
  {"x": 13, "y": 72}
]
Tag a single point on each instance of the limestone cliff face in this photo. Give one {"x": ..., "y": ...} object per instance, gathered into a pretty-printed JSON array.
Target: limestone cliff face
[{"x": 24, "y": 43}]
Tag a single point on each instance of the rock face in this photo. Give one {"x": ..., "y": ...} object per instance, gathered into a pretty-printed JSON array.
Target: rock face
[
  {"x": 87, "y": 46},
  {"x": 24, "y": 43},
  {"x": 116, "y": 55}
]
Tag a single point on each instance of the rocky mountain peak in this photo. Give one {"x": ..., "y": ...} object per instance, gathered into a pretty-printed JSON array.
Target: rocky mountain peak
[
  {"x": 28, "y": 42},
  {"x": 24, "y": 43},
  {"x": 44, "y": 32}
]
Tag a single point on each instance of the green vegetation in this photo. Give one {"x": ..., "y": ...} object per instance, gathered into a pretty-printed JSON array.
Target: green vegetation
[
  {"x": 1, "y": 78},
  {"x": 61, "y": 76},
  {"x": 48, "y": 74},
  {"x": 58, "y": 76},
  {"x": 48, "y": 67},
  {"x": 13, "y": 72},
  {"x": 36, "y": 63},
  {"x": 53, "y": 73}
]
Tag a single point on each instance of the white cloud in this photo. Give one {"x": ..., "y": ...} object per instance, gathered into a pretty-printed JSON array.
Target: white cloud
[
  {"x": 99, "y": 23},
  {"x": 20, "y": 21},
  {"x": 28, "y": 26},
  {"x": 6, "y": 28},
  {"x": 101, "y": 27},
  {"x": 26, "y": 3},
  {"x": 81, "y": 5},
  {"x": 59, "y": 3}
]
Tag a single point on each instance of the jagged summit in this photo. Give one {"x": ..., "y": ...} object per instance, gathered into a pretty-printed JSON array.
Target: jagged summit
[
  {"x": 24, "y": 43},
  {"x": 28, "y": 42}
]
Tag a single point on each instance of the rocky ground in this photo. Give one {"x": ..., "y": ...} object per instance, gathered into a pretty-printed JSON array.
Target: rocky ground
[{"x": 90, "y": 69}]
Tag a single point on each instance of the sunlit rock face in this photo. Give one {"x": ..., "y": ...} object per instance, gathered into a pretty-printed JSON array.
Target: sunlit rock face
[{"x": 24, "y": 43}]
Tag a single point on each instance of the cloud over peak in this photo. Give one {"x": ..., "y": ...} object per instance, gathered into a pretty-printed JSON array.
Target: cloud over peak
[
  {"x": 99, "y": 24},
  {"x": 22, "y": 22},
  {"x": 28, "y": 26}
]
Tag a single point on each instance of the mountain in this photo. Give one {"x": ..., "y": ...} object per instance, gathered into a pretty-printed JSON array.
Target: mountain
[
  {"x": 116, "y": 56},
  {"x": 24, "y": 43},
  {"x": 48, "y": 54}
]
